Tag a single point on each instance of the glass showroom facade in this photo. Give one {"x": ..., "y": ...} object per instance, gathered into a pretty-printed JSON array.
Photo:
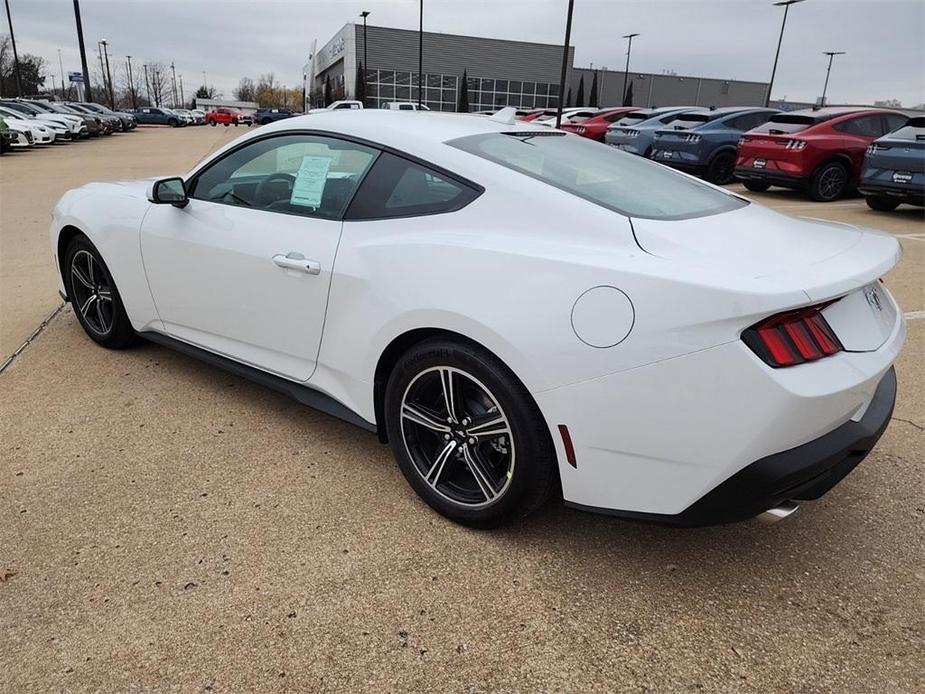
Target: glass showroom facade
[{"x": 442, "y": 91}]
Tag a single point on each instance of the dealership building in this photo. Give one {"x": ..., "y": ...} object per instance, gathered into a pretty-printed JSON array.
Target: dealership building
[{"x": 500, "y": 73}]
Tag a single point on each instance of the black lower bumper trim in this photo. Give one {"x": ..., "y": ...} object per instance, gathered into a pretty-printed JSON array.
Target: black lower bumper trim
[
  {"x": 773, "y": 177},
  {"x": 913, "y": 196},
  {"x": 799, "y": 474}
]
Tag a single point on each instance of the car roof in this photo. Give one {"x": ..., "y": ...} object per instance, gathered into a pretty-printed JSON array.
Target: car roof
[{"x": 829, "y": 112}]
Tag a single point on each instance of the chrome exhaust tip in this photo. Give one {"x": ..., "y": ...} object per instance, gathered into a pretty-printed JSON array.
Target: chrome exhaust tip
[{"x": 778, "y": 513}]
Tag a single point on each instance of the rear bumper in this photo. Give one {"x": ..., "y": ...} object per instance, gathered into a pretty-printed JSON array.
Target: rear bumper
[
  {"x": 802, "y": 473},
  {"x": 773, "y": 177},
  {"x": 896, "y": 191}
]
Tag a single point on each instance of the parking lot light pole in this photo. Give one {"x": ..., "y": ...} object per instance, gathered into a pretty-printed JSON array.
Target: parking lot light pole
[
  {"x": 786, "y": 5},
  {"x": 112, "y": 98},
  {"x": 9, "y": 19},
  {"x": 828, "y": 70},
  {"x": 563, "y": 74},
  {"x": 83, "y": 51},
  {"x": 420, "y": 53},
  {"x": 131, "y": 83},
  {"x": 61, "y": 65},
  {"x": 626, "y": 72}
]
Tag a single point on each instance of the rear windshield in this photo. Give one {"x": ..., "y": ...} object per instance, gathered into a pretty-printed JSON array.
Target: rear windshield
[
  {"x": 624, "y": 183},
  {"x": 634, "y": 118},
  {"x": 688, "y": 120},
  {"x": 914, "y": 129},
  {"x": 786, "y": 124}
]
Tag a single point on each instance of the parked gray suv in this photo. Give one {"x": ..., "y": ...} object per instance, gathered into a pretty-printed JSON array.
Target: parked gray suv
[
  {"x": 635, "y": 131},
  {"x": 704, "y": 142}
]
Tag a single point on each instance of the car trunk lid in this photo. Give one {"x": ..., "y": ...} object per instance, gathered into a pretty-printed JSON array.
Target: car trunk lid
[{"x": 763, "y": 248}]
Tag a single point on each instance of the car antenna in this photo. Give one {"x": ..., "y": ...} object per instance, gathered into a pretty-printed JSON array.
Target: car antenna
[{"x": 507, "y": 115}]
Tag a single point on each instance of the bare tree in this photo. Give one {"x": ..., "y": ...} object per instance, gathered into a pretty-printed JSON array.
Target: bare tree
[
  {"x": 246, "y": 90},
  {"x": 159, "y": 82}
]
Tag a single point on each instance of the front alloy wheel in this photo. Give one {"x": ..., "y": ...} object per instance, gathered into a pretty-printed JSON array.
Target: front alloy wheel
[{"x": 467, "y": 434}]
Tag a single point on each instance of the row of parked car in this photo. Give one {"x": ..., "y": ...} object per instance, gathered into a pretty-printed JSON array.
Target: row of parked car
[
  {"x": 26, "y": 123},
  {"x": 180, "y": 117},
  {"x": 826, "y": 152}
]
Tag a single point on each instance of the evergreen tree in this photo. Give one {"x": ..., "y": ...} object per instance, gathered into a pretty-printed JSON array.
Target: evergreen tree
[
  {"x": 361, "y": 84},
  {"x": 568, "y": 98},
  {"x": 328, "y": 91},
  {"x": 580, "y": 96},
  {"x": 462, "y": 102},
  {"x": 593, "y": 101},
  {"x": 628, "y": 97}
]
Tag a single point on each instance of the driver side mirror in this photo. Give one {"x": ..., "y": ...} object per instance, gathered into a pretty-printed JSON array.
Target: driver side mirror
[{"x": 169, "y": 191}]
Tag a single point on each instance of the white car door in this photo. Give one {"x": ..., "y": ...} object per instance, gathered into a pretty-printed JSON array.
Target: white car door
[{"x": 243, "y": 270}]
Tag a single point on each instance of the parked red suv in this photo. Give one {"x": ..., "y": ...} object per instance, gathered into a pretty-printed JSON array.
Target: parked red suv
[
  {"x": 225, "y": 116},
  {"x": 596, "y": 126},
  {"x": 817, "y": 150}
]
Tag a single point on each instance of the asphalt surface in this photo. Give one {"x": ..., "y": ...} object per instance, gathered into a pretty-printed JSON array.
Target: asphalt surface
[{"x": 166, "y": 526}]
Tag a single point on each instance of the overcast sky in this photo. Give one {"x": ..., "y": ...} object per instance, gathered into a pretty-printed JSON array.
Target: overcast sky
[{"x": 884, "y": 39}]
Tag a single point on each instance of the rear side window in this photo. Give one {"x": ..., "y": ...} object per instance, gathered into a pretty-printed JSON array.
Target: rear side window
[
  {"x": 748, "y": 120},
  {"x": 627, "y": 184},
  {"x": 633, "y": 118},
  {"x": 865, "y": 126},
  {"x": 397, "y": 187}
]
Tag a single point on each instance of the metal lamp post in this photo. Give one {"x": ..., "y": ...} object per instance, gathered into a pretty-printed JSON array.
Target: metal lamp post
[
  {"x": 626, "y": 72},
  {"x": 112, "y": 98},
  {"x": 420, "y": 53},
  {"x": 786, "y": 5},
  {"x": 9, "y": 19},
  {"x": 828, "y": 70},
  {"x": 364, "y": 14},
  {"x": 131, "y": 82},
  {"x": 562, "y": 75},
  {"x": 83, "y": 52}
]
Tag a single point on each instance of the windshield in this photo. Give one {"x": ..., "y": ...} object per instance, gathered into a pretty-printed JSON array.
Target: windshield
[
  {"x": 914, "y": 129},
  {"x": 786, "y": 125},
  {"x": 624, "y": 183}
]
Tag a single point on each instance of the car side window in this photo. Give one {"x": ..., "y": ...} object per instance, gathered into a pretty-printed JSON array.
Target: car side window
[
  {"x": 894, "y": 121},
  {"x": 748, "y": 121},
  {"x": 309, "y": 175},
  {"x": 397, "y": 187},
  {"x": 864, "y": 126}
]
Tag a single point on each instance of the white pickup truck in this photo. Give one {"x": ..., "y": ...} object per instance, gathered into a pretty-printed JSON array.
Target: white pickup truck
[
  {"x": 404, "y": 106},
  {"x": 338, "y": 105}
]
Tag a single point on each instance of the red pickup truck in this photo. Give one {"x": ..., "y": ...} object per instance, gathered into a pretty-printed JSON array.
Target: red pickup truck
[{"x": 226, "y": 117}]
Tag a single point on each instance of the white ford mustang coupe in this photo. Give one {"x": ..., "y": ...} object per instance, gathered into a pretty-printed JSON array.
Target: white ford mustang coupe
[{"x": 510, "y": 307}]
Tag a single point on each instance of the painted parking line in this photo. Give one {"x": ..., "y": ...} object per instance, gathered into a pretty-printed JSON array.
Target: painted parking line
[{"x": 914, "y": 315}]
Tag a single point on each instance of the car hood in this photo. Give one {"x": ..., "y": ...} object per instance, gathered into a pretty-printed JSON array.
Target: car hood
[{"x": 824, "y": 259}]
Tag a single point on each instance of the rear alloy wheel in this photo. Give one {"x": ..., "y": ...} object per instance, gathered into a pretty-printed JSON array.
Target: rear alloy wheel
[
  {"x": 467, "y": 435},
  {"x": 94, "y": 296},
  {"x": 829, "y": 183},
  {"x": 756, "y": 186},
  {"x": 881, "y": 204},
  {"x": 722, "y": 168}
]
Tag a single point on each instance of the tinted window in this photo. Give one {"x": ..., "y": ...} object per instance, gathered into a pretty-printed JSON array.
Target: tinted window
[
  {"x": 297, "y": 174},
  {"x": 633, "y": 118},
  {"x": 622, "y": 182},
  {"x": 865, "y": 126},
  {"x": 748, "y": 121},
  {"x": 688, "y": 120},
  {"x": 894, "y": 120},
  {"x": 785, "y": 124},
  {"x": 396, "y": 187}
]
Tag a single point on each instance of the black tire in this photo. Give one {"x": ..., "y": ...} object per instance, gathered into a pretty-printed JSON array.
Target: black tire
[
  {"x": 829, "y": 182},
  {"x": 519, "y": 461},
  {"x": 226, "y": 125},
  {"x": 881, "y": 204},
  {"x": 756, "y": 186},
  {"x": 213, "y": 123},
  {"x": 721, "y": 169},
  {"x": 109, "y": 327},
  {"x": 173, "y": 123}
]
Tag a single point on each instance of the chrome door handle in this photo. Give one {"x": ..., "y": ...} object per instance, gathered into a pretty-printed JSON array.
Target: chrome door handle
[{"x": 297, "y": 261}]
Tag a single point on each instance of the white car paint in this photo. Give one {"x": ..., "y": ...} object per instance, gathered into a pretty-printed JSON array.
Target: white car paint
[
  {"x": 572, "y": 114},
  {"x": 41, "y": 134},
  {"x": 58, "y": 129},
  {"x": 662, "y": 406},
  {"x": 342, "y": 105}
]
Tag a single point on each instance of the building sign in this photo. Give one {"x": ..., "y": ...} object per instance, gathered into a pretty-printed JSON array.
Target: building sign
[
  {"x": 75, "y": 77},
  {"x": 337, "y": 47}
]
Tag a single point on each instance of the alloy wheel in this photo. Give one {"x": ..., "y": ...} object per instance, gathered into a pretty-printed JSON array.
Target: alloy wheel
[
  {"x": 457, "y": 436},
  {"x": 92, "y": 293},
  {"x": 832, "y": 182}
]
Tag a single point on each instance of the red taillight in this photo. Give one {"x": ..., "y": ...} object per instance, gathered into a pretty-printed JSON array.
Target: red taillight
[{"x": 794, "y": 337}]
